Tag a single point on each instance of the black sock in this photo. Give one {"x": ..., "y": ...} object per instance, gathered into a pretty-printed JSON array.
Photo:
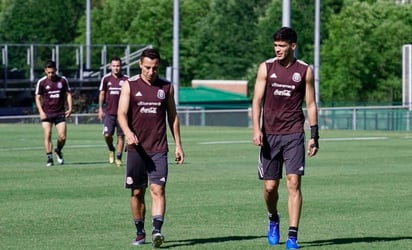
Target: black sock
[
  {"x": 157, "y": 224},
  {"x": 293, "y": 232},
  {"x": 111, "y": 148},
  {"x": 119, "y": 156},
  {"x": 139, "y": 226},
  {"x": 274, "y": 217},
  {"x": 49, "y": 156}
]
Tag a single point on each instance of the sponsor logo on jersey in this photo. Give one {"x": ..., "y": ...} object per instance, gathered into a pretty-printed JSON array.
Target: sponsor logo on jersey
[
  {"x": 161, "y": 94},
  {"x": 150, "y": 110},
  {"x": 284, "y": 92}
]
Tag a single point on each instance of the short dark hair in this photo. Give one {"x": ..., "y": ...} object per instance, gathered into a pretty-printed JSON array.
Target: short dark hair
[
  {"x": 116, "y": 58},
  {"x": 286, "y": 34},
  {"x": 150, "y": 53},
  {"x": 50, "y": 64}
]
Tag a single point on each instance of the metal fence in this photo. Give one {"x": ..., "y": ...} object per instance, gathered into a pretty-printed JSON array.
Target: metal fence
[
  {"x": 395, "y": 118},
  {"x": 23, "y": 64}
]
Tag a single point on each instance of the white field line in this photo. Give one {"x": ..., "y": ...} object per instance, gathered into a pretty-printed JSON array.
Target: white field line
[
  {"x": 324, "y": 139},
  {"x": 67, "y": 146}
]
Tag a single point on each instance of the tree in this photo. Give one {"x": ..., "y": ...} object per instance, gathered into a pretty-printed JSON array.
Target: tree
[
  {"x": 226, "y": 43},
  {"x": 361, "y": 59}
]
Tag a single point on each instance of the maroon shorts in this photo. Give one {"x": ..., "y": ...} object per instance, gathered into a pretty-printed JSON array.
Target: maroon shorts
[
  {"x": 142, "y": 167},
  {"x": 54, "y": 119},
  {"x": 110, "y": 124},
  {"x": 278, "y": 150}
]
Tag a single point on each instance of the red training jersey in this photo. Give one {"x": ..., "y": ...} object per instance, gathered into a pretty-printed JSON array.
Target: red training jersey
[
  {"x": 111, "y": 85},
  {"x": 147, "y": 113},
  {"x": 53, "y": 93},
  {"x": 284, "y": 95}
]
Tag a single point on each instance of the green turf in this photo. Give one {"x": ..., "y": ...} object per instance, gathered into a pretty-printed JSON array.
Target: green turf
[{"x": 357, "y": 193}]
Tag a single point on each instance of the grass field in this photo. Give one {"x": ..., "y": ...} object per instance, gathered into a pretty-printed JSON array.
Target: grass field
[{"x": 357, "y": 193}]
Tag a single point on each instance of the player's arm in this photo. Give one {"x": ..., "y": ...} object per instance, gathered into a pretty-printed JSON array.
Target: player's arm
[
  {"x": 258, "y": 95},
  {"x": 69, "y": 100},
  {"x": 101, "y": 100},
  {"x": 38, "y": 99},
  {"x": 312, "y": 113},
  {"x": 173, "y": 120},
  {"x": 122, "y": 111}
]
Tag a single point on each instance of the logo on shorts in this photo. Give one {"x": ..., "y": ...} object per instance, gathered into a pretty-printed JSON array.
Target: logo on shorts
[
  {"x": 301, "y": 168},
  {"x": 129, "y": 180},
  {"x": 163, "y": 179}
]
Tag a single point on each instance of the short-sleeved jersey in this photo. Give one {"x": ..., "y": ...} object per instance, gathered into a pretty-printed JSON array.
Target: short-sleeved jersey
[
  {"x": 147, "y": 113},
  {"x": 53, "y": 93},
  {"x": 284, "y": 95},
  {"x": 111, "y": 86}
]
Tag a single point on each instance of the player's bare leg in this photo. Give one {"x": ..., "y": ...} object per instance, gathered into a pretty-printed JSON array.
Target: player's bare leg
[
  {"x": 293, "y": 183},
  {"x": 158, "y": 210},
  {"x": 47, "y": 126},
  {"x": 271, "y": 196},
  {"x": 138, "y": 207}
]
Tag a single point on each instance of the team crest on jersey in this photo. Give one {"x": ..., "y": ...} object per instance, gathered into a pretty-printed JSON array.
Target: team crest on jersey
[
  {"x": 59, "y": 85},
  {"x": 296, "y": 77},
  {"x": 121, "y": 82},
  {"x": 161, "y": 94}
]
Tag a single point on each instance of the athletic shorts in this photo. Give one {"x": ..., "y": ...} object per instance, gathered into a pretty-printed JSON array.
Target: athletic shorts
[
  {"x": 278, "y": 150},
  {"x": 54, "y": 119},
  {"x": 109, "y": 124},
  {"x": 142, "y": 167}
]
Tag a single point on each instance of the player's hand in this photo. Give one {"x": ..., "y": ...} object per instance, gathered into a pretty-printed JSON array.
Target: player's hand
[
  {"x": 131, "y": 139},
  {"x": 313, "y": 147},
  {"x": 257, "y": 138},
  {"x": 100, "y": 115},
  {"x": 180, "y": 156},
  {"x": 68, "y": 113}
]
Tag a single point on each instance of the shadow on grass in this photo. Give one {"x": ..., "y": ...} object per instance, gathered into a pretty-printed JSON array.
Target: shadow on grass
[
  {"x": 192, "y": 242},
  {"x": 342, "y": 241}
]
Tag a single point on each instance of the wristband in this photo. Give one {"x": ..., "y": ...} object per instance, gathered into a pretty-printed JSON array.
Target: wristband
[{"x": 314, "y": 134}]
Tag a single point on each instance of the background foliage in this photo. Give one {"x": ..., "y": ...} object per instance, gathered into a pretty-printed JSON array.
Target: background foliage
[{"x": 226, "y": 39}]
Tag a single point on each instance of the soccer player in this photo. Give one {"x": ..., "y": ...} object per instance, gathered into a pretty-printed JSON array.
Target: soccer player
[
  {"x": 282, "y": 83},
  {"x": 110, "y": 87},
  {"x": 145, "y": 102},
  {"x": 52, "y": 93}
]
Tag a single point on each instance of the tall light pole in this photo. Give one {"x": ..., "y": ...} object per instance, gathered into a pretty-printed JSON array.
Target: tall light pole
[
  {"x": 175, "y": 72},
  {"x": 286, "y": 13},
  {"x": 88, "y": 35},
  {"x": 317, "y": 49}
]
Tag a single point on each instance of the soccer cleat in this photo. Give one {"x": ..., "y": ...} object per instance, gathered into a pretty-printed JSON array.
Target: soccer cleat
[
  {"x": 59, "y": 156},
  {"x": 118, "y": 163},
  {"x": 292, "y": 243},
  {"x": 140, "y": 239},
  {"x": 157, "y": 239},
  {"x": 49, "y": 163},
  {"x": 111, "y": 156},
  {"x": 273, "y": 233}
]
